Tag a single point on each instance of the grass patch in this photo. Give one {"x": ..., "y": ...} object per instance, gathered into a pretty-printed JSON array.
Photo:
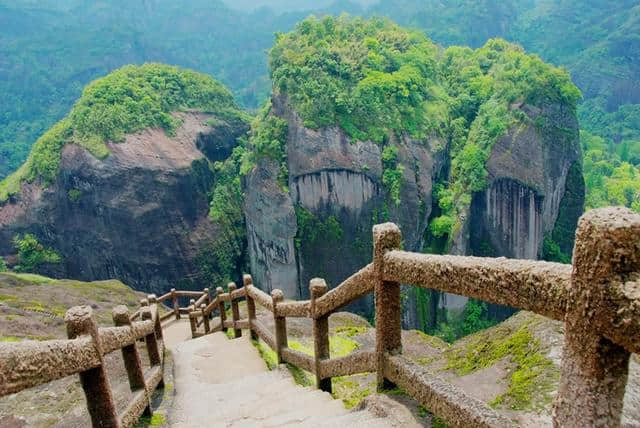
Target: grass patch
[
  {"x": 350, "y": 392},
  {"x": 433, "y": 341},
  {"x": 267, "y": 354},
  {"x": 158, "y": 419},
  {"x": 532, "y": 380},
  {"x": 350, "y": 331},
  {"x": 31, "y": 278}
]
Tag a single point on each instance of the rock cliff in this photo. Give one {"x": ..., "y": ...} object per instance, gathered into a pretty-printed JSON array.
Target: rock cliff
[
  {"x": 335, "y": 188},
  {"x": 139, "y": 215},
  {"x": 470, "y": 152}
]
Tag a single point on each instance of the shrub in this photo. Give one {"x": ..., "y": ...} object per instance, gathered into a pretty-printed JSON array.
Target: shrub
[{"x": 32, "y": 254}]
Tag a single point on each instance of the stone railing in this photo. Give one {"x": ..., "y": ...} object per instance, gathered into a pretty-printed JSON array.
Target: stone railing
[
  {"x": 598, "y": 298},
  {"x": 30, "y": 363}
]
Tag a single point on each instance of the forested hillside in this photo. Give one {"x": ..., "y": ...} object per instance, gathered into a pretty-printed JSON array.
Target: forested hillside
[{"x": 50, "y": 49}]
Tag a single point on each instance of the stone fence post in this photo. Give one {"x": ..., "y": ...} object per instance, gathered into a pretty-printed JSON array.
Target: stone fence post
[
  {"x": 192, "y": 319},
  {"x": 95, "y": 382},
  {"x": 235, "y": 311},
  {"x": 221, "y": 309},
  {"x": 208, "y": 294},
  {"x": 280, "y": 325},
  {"x": 176, "y": 306},
  {"x": 317, "y": 288},
  {"x": 205, "y": 319},
  {"x": 247, "y": 282},
  {"x": 131, "y": 357},
  {"x": 594, "y": 369},
  {"x": 386, "y": 237},
  {"x": 152, "y": 342}
]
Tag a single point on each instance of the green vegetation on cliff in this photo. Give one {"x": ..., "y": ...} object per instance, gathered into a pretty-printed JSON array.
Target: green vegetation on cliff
[
  {"x": 128, "y": 100},
  {"x": 375, "y": 79},
  {"x": 32, "y": 254},
  {"x": 612, "y": 176}
]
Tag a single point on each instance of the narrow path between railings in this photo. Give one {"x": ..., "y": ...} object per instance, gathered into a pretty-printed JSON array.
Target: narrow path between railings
[{"x": 225, "y": 383}]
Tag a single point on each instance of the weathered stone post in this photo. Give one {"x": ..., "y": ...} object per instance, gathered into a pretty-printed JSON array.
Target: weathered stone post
[
  {"x": 386, "y": 237},
  {"x": 206, "y": 291},
  {"x": 247, "y": 282},
  {"x": 153, "y": 301},
  {"x": 594, "y": 369},
  {"x": 151, "y": 340},
  {"x": 317, "y": 288},
  {"x": 192, "y": 318},
  {"x": 176, "y": 307},
  {"x": 235, "y": 311},
  {"x": 95, "y": 382},
  {"x": 280, "y": 325},
  {"x": 205, "y": 319},
  {"x": 221, "y": 309},
  {"x": 131, "y": 357}
]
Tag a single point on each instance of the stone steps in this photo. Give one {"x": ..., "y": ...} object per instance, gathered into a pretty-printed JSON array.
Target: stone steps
[{"x": 224, "y": 383}]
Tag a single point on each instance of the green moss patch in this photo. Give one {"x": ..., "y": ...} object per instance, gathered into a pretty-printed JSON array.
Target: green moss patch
[
  {"x": 128, "y": 100},
  {"x": 533, "y": 376}
]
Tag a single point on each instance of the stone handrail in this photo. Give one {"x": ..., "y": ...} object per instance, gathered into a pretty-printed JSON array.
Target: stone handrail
[
  {"x": 27, "y": 364},
  {"x": 598, "y": 298}
]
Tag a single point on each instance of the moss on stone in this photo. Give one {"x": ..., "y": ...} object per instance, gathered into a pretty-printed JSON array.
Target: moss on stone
[
  {"x": 351, "y": 393},
  {"x": 533, "y": 378},
  {"x": 267, "y": 354},
  {"x": 157, "y": 420},
  {"x": 433, "y": 341},
  {"x": 350, "y": 331}
]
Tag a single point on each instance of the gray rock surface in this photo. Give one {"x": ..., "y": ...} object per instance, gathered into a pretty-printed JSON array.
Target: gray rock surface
[{"x": 140, "y": 215}]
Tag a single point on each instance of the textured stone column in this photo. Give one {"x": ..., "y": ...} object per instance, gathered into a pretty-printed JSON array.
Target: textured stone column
[
  {"x": 131, "y": 357},
  {"x": 317, "y": 288},
  {"x": 205, "y": 319},
  {"x": 95, "y": 382},
  {"x": 594, "y": 369},
  {"x": 153, "y": 302},
  {"x": 176, "y": 306},
  {"x": 235, "y": 311},
  {"x": 386, "y": 237},
  {"x": 192, "y": 318},
  {"x": 151, "y": 340},
  {"x": 221, "y": 308},
  {"x": 280, "y": 325},
  {"x": 247, "y": 282}
]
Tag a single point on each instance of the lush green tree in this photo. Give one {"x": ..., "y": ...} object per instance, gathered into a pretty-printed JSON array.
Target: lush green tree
[
  {"x": 128, "y": 100},
  {"x": 32, "y": 254}
]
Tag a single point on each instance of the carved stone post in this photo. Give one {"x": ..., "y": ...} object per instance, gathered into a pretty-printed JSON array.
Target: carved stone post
[
  {"x": 235, "y": 311},
  {"x": 594, "y": 369},
  {"x": 208, "y": 294},
  {"x": 176, "y": 307},
  {"x": 131, "y": 357},
  {"x": 386, "y": 237},
  {"x": 247, "y": 282},
  {"x": 95, "y": 382},
  {"x": 152, "y": 343},
  {"x": 153, "y": 301},
  {"x": 205, "y": 319},
  {"x": 280, "y": 325},
  {"x": 221, "y": 308},
  {"x": 317, "y": 288},
  {"x": 192, "y": 318}
]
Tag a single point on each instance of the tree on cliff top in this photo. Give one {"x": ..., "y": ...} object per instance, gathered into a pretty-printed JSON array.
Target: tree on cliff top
[
  {"x": 128, "y": 100},
  {"x": 373, "y": 78}
]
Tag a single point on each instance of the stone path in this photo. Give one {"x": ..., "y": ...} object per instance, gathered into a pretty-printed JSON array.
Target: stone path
[{"x": 224, "y": 383}]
